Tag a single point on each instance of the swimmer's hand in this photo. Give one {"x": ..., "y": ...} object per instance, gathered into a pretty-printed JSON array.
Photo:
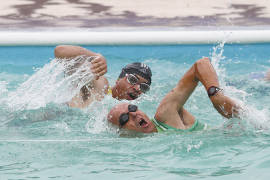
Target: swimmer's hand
[
  {"x": 226, "y": 106},
  {"x": 267, "y": 76},
  {"x": 98, "y": 66}
]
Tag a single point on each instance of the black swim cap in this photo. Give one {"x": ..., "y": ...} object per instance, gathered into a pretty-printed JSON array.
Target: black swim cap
[{"x": 138, "y": 68}]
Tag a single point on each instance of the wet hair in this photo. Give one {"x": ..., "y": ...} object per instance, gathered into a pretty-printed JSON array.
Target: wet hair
[{"x": 138, "y": 68}]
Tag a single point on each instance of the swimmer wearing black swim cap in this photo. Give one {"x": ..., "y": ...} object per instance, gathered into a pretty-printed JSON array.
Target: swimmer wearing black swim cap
[
  {"x": 134, "y": 79},
  {"x": 137, "y": 68}
]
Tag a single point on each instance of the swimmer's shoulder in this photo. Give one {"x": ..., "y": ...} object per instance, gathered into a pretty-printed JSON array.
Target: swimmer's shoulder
[
  {"x": 101, "y": 85},
  {"x": 267, "y": 76}
]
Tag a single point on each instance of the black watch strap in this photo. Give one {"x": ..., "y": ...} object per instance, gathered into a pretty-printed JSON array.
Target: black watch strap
[{"x": 213, "y": 90}]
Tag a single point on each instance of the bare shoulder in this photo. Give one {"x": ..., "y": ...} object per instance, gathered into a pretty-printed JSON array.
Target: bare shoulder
[{"x": 101, "y": 85}]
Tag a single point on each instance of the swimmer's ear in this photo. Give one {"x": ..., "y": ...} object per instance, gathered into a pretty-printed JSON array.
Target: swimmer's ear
[
  {"x": 117, "y": 81},
  {"x": 96, "y": 77},
  {"x": 109, "y": 117}
]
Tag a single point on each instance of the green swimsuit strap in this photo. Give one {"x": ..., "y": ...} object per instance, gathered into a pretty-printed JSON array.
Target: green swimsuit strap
[{"x": 162, "y": 127}]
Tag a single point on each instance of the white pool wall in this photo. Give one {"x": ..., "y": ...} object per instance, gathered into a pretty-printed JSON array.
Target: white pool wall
[{"x": 132, "y": 37}]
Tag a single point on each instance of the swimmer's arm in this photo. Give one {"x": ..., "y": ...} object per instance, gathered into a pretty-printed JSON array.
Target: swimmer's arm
[
  {"x": 172, "y": 104},
  {"x": 202, "y": 71},
  {"x": 99, "y": 64},
  {"x": 206, "y": 74},
  {"x": 69, "y": 51}
]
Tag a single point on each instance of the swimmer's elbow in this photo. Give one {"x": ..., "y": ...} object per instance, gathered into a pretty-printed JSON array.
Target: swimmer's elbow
[
  {"x": 165, "y": 109},
  {"x": 159, "y": 116},
  {"x": 59, "y": 51},
  {"x": 65, "y": 51},
  {"x": 201, "y": 63}
]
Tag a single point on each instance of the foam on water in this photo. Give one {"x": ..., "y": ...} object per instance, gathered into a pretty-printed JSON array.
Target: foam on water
[
  {"x": 216, "y": 58},
  {"x": 49, "y": 84},
  {"x": 259, "y": 119},
  {"x": 3, "y": 87}
]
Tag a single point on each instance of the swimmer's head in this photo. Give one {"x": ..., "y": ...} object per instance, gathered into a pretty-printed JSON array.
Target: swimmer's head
[
  {"x": 137, "y": 68},
  {"x": 134, "y": 79},
  {"x": 128, "y": 116}
]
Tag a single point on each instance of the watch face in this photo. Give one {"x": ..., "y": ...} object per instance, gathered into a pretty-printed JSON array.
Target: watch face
[{"x": 212, "y": 91}]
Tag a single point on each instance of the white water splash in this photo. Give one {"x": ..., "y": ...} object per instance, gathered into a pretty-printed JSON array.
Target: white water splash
[
  {"x": 97, "y": 112},
  {"x": 3, "y": 87},
  {"x": 192, "y": 146},
  {"x": 216, "y": 58},
  {"x": 56, "y": 82},
  {"x": 259, "y": 119}
]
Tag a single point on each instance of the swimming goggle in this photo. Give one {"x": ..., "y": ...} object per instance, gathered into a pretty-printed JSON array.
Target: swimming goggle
[
  {"x": 123, "y": 119},
  {"x": 132, "y": 79}
]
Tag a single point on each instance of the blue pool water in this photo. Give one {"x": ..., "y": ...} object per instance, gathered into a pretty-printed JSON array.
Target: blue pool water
[{"x": 41, "y": 138}]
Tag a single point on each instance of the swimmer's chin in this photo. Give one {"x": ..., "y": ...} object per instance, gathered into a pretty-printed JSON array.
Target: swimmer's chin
[
  {"x": 128, "y": 96},
  {"x": 131, "y": 96}
]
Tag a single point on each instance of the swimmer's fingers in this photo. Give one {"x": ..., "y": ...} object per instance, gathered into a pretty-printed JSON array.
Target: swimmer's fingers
[
  {"x": 99, "y": 69},
  {"x": 99, "y": 64},
  {"x": 99, "y": 60},
  {"x": 238, "y": 111},
  {"x": 101, "y": 73}
]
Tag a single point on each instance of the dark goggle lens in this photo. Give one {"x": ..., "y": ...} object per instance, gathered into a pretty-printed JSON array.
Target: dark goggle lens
[
  {"x": 123, "y": 119},
  {"x": 132, "y": 79},
  {"x": 144, "y": 87},
  {"x": 132, "y": 108}
]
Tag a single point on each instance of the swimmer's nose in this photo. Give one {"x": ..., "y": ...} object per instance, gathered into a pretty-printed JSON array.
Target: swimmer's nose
[
  {"x": 137, "y": 87},
  {"x": 133, "y": 114}
]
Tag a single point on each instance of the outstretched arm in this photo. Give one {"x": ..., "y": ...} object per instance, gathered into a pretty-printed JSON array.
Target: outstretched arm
[
  {"x": 206, "y": 74},
  {"x": 98, "y": 65},
  {"x": 171, "y": 107}
]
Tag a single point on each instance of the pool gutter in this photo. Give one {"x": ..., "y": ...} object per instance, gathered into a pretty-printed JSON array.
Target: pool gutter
[{"x": 17, "y": 38}]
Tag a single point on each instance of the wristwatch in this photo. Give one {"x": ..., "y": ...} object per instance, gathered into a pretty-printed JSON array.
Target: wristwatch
[{"x": 213, "y": 90}]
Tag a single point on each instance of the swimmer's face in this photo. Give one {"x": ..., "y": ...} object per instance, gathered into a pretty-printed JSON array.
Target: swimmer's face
[
  {"x": 127, "y": 90},
  {"x": 136, "y": 121}
]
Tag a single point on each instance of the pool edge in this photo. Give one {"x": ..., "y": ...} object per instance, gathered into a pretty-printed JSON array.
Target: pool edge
[{"x": 42, "y": 38}]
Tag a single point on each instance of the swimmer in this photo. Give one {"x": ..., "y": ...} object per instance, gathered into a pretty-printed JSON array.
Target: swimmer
[
  {"x": 170, "y": 114},
  {"x": 267, "y": 76},
  {"x": 134, "y": 79},
  {"x": 260, "y": 75}
]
